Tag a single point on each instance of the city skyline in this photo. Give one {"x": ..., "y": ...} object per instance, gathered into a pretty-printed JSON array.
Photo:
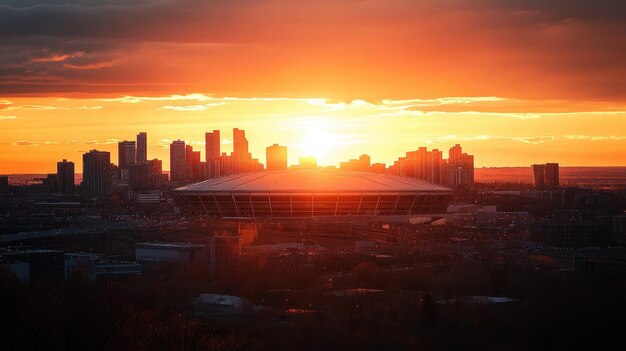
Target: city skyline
[
  {"x": 517, "y": 82},
  {"x": 330, "y": 141}
]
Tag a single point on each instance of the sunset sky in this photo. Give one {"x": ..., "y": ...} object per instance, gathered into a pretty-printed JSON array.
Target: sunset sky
[{"x": 515, "y": 82}]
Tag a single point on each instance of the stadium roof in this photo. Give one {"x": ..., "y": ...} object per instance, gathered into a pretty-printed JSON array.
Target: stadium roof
[{"x": 313, "y": 180}]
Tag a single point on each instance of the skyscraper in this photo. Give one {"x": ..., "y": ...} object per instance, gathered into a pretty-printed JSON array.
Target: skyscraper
[
  {"x": 539, "y": 172},
  {"x": 212, "y": 154},
  {"x": 546, "y": 175},
  {"x": 178, "y": 161},
  {"x": 65, "y": 177},
  {"x": 126, "y": 154},
  {"x": 552, "y": 175},
  {"x": 212, "y": 146},
  {"x": 454, "y": 155},
  {"x": 276, "y": 157},
  {"x": 142, "y": 147},
  {"x": 241, "y": 156},
  {"x": 96, "y": 174}
]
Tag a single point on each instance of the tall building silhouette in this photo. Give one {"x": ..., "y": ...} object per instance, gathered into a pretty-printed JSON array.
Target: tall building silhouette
[
  {"x": 546, "y": 175},
  {"x": 96, "y": 174},
  {"x": 240, "y": 150},
  {"x": 192, "y": 158},
  {"x": 178, "y": 161},
  {"x": 276, "y": 157},
  {"x": 126, "y": 154},
  {"x": 65, "y": 177},
  {"x": 212, "y": 154},
  {"x": 142, "y": 147},
  {"x": 552, "y": 175},
  {"x": 241, "y": 158}
]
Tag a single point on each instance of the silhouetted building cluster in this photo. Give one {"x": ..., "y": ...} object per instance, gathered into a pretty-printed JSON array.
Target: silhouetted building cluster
[
  {"x": 186, "y": 164},
  {"x": 362, "y": 164},
  {"x": 456, "y": 172},
  {"x": 546, "y": 175},
  {"x": 134, "y": 172}
]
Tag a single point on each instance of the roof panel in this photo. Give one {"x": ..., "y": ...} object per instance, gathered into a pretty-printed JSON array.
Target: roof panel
[{"x": 313, "y": 181}]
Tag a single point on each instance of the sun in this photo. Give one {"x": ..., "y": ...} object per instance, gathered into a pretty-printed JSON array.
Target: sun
[{"x": 318, "y": 141}]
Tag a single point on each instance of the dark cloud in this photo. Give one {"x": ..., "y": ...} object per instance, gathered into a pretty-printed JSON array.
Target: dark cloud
[{"x": 84, "y": 45}]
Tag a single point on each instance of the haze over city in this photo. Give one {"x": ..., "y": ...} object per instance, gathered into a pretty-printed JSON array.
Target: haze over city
[{"x": 334, "y": 79}]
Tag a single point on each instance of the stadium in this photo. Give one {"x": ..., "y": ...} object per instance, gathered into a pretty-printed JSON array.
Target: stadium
[{"x": 312, "y": 193}]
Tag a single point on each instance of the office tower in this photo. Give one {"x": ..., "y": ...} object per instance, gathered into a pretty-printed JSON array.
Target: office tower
[
  {"x": 96, "y": 174},
  {"x": 138, "y": 176},
  {"x": 454, "y": 155},
  {"x": 212, "y": 154},
  {"x": 178, "y": 161},
  {"x": 189, "y": 161},
  {"x": 192, "y": 161},
  {"x": 539, "y": 172},
  {"x": 226, "y": 165},
  {"x": 420, "y": 163},
  {"x": 241, "y": 155},
  {"x": 65, "y": 177},
  {"x": 156, "y": 178},
  {"x": 212, "y": 145},
  {"x": 196, "y": 170},
  {"x": 50, "y": 183},
  {"x": 435, "y": 167},
  {"x": 142, "y": 147},
  {"x": 552, "y": 175},
  {"x": 276, "y": 157},
  {"x": 126, "y": 154},
  {"x": 467, "y": 162}
]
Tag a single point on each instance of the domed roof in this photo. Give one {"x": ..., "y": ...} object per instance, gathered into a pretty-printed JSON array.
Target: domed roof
[{"x": 313, "y": 181}]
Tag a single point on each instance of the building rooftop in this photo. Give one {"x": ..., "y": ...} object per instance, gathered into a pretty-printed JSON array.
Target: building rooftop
[{"x": 313, "y": 180}]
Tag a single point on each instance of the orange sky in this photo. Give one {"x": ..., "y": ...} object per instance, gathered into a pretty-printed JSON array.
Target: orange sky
[{"x": 515, "y": 82}]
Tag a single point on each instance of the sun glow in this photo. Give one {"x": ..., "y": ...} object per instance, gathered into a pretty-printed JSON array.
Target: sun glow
[{"x": 318, "y": 139}]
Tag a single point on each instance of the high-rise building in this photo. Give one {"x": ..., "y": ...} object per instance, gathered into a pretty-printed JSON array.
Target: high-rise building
[
  {"x": 196, "y": 169},
  {"x": 212, "y": 146},
  {"x": 454, "y": 155},
  {"x": 96, "y": 174},
  {"x": 178, "y": 161},
  {"x": 546, "y": 175},
  {"x": 539, "y": 172},
  {"x": 226, "y": 165},
  {"x": 552, "y": 175},
  {"x": 65, "y": 177},
  {"x": 276, "y": 157},
  {"x": 126, "y": 154},
  {"x": 50, "y": 183},
  {"x": 212, "y": 154},
  {"x": 240, "y": 153},
  {"x": 142, "y": 147}
]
